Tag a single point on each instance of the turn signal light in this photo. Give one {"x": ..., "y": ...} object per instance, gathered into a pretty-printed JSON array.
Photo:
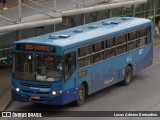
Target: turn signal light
[{"x": 16, "y": 89}]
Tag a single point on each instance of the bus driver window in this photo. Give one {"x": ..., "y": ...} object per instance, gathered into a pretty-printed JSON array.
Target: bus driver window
[{"x": 70, "y": 64}]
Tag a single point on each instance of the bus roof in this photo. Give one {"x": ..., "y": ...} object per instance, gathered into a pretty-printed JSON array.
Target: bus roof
[{"x": 88, "y": 33}]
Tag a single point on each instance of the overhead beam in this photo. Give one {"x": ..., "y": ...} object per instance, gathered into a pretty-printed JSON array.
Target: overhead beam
[
  {"x": 51, "y": 21},
  {"x": 30, "y": 25},
  {"x": 101, "y": 7}
]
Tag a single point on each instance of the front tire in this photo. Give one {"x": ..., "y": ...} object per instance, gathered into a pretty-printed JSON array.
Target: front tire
[
  {"x": 81, "y": 95},
  {"x": 128, "y": 76}
]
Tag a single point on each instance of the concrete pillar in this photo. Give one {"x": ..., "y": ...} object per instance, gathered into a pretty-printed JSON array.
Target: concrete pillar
[
  {"x": 133, "y": 10},
  {"x": 18, "y": 35},
  {"x": 19, "y": 10},
  {"x": 110, "y": 10},
  {"x": 54, "y": 4},
  {"x": 84, "y": 19},
  {"x": 154, "y": 11}
]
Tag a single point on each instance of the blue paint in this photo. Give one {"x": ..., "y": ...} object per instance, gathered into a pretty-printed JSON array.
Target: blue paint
[{"x": 100, "y": 75}]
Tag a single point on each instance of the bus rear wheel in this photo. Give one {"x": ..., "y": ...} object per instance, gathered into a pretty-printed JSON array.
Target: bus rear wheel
[
  {"x": 128, "y": 76},
  {"x": 81, "y": 95}
]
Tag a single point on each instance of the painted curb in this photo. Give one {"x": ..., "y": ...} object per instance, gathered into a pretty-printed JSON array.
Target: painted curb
[{"x": 6, "y": 105}]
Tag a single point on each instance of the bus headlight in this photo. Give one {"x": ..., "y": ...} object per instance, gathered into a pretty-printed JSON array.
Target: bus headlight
[
  {"x": 56, "y": 92},
  {"x": 17, "y": 89},
  {"x": 53, "y": 92}
]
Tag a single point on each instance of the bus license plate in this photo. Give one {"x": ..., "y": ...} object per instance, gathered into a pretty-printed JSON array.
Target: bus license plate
[{"x": 35, "y": 97}]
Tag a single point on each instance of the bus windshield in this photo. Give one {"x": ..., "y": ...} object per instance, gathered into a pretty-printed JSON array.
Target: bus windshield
[{"x": 36, "y": 67}]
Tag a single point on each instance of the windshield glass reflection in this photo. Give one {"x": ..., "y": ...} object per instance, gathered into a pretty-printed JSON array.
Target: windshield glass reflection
[{"x": 38, "y": 67}]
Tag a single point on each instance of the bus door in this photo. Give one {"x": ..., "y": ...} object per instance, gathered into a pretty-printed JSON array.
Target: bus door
[{"x": 70, "y": 75}]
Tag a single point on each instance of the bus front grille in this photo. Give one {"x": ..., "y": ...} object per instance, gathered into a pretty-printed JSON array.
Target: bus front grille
[
  {"x": 35, "y": 85},
  {"x": 33, "y": 92}
]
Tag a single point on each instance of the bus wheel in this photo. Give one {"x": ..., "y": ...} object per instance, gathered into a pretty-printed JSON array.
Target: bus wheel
[
  {"x": 128, "y": 76},
  {"x": 81, "y": 95}
]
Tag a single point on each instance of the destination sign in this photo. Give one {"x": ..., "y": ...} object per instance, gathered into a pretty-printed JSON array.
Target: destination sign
[{"x": 35, "y": 47}]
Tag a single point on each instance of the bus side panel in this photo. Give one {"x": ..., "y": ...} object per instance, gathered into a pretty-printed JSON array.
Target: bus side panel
[
  {"x": 98, "y": 73},
  {"x": 119, "y": 64},
  {"x": 109, "y": 72},
  {"x": 150, "y": 61},
  {"x": 98, "y": 76},
  {"x": 112, "y": 71},
  {"x": 70, "y": 92},
  {"x": 101, "y": 75},
  {"x": 131, "y": 59},
  {"x": 88, "y": 77},
  {"x": 145, "y": 56}
]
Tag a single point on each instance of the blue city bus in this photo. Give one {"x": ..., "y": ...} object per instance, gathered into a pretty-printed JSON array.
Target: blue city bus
[{"x": 66, "y": 66}]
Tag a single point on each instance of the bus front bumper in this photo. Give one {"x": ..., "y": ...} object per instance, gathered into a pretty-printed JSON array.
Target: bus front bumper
[{"x": 50, "y": 99}]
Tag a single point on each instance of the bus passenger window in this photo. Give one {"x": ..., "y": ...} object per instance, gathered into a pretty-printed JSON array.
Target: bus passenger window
[
  {"x": 70, "y": 64},
  {"x": 110, "y": 52},
  {"x": 132, "y": 35},
  {"x": 132, "y": 45},
  {"x": 120, "y": 39},
  {"x": 86, "y": 61},
  {"x": 142, "y": 32},
  {"x": 121, "y": 49},
  {"x": 142, "y": 41},
  {"x": 148, "y": 35},
  {"x": 110, "y": 43},
  {"x": 84, "y": 51},
  {"x": 97, "y": 46},
  {"x": 98, "y": 57}
]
